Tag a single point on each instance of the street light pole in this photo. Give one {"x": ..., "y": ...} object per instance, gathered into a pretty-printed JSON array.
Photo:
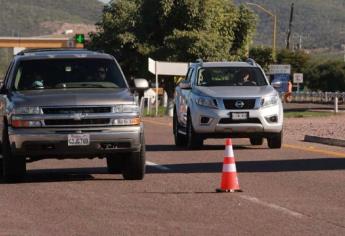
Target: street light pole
[{"x": 274, "y": 37}]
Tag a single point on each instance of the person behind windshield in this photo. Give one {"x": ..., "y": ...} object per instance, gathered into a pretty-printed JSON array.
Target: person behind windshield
[
  {"x": 247, "y": 79},
  {"x": 101, "y": 74}
]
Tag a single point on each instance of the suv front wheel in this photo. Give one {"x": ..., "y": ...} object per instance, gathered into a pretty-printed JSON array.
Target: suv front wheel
[
  {"x": 180, "y": 139},
  {"x": 275, "y": 141},
  {"x": 193, "y": 141},
  {"x": 14, "y": 167}
]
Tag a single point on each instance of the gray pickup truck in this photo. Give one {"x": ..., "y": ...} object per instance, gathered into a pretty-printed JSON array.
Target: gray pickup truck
[{"x": 69, "y": 104}]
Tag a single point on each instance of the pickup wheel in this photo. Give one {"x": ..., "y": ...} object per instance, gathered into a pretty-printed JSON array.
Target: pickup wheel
[
  {"x": 256, "y": 140},
  {"x": 275, "y": 141},
  {"x": 13, "y": 167},
  {"x": 134, "y": 164},
  {"x": 193, "y": 141},
  {"x": 180, "y": 139},
  {"x": 115, "y": 163}
]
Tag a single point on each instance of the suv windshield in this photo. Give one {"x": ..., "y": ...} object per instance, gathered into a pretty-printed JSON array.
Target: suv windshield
[
  {"x": 230, "y": 76},
  {"x": 68, "y": 73}
]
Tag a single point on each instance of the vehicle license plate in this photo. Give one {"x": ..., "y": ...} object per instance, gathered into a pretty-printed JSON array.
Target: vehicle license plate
[
  {"x": 239, "y": 115},
  {"x": 78, "y": 139}
]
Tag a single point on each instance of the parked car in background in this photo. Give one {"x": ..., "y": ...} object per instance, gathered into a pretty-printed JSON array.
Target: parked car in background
[
  {"x": 69, "y": 104},
  {"x": 227, "y": 99}
]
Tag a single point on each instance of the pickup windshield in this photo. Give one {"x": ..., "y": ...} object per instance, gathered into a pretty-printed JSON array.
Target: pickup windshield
[
  {"x": 230, "y": 76},
  {"x": 68, "y": 73}
]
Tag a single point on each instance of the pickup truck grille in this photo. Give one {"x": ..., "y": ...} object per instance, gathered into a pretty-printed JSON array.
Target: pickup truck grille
[
  {"x": 74, "y": 110},
  {"x": 71, "y": 122},
  {"x": 230, "y": 104}
]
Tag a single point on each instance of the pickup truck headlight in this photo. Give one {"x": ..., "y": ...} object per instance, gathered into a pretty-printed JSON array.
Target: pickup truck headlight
[
  {"x": 269, "y": 101},
  {"x": 206, "y": 102},
  {"x": 125, "y": 109},
  {"x": 27, "y": 111}
]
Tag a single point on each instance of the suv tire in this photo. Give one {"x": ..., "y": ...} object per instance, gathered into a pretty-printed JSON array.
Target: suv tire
[
  {"x": 180, "y": 139},
  {"x": 275, "y": 141},
  {"x": 256, "y": 141},
  {"x": 193, "y": 141},
  {"x": 115, "y": 163},
  {"x": 134, "y": 164},
  {"x": 14, "y": 167}
]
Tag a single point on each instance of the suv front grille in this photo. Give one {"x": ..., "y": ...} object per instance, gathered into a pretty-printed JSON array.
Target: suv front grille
[
  {"x": 74, "y": 110},
  {"x": 71, "y": 122},
  {"x": 230, "y": 104}
]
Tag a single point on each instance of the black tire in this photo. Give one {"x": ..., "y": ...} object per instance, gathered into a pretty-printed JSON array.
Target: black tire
[
  {"x": 180, "y": 139},
  {"x": 275, "y": 141},
  {"x": 256, "y": 140},
  {"x": 14, "y": 167},
  {"x": 134, "y": 164},
  {"x": 115, "y": 163},
  {"x": 193, "y": 141}
]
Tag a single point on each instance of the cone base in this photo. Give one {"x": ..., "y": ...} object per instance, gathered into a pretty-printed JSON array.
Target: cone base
[{"x": 219, "y": 190}]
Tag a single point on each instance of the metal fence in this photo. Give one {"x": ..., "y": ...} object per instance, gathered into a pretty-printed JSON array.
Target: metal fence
[{"x": 317, "y": 97}]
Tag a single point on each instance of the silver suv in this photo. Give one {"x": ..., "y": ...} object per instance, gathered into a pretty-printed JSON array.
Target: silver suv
[
  {"x": 69, "y": 104},
  {"x": 227, "y": 99}
]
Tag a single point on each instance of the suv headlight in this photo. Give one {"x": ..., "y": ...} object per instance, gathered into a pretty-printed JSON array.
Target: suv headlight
[
  {"x": 27, "y": 111},
  {"x": 206, "y": 102},
  {"x": 125, "y": 109},
  {"x": 269, "y": 101}
]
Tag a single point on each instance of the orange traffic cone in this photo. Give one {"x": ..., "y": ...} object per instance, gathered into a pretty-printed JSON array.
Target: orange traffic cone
[{"x": 229, "y": 176}]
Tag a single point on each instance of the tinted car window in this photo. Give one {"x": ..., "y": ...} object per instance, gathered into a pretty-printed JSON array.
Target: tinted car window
[
  {"x": 230, "y": 76},
  {"x": 68, "y": 73}
]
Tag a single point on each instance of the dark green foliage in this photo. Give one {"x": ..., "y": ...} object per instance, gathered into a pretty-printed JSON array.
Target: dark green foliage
[
  {"x": 262, "y": 55},
  {"x": 329, "y": 76},
  {"x": 174, "y": 30},
  {"x": 297, "y": 59}
]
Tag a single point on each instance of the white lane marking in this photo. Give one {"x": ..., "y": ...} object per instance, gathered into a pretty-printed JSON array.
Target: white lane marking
[
  {"x": 273, "y": 206},
  {"x": 160, "y": 167}
]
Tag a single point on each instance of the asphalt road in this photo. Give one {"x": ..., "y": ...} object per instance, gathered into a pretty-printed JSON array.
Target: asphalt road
[{"x": 297, "y": 190}]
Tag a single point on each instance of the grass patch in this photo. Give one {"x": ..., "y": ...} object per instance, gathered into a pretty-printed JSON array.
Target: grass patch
[
  {"x": 303, "y": 114},
  {"x": 161, "y": 111}
]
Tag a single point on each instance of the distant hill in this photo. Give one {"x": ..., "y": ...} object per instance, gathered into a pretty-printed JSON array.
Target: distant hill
[
  {"x": 41, "y": 17},
  {"x": 320, "y": 23}
]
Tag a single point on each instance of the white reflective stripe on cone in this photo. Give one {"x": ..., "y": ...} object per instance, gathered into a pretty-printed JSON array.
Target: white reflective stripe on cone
[
  {"x": 229, "y": 152},
  {"x": 229, "y": 168}
]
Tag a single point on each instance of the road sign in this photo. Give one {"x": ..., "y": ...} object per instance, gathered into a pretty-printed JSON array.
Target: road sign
[
  {"x": 80, "y": 38},
  {"x": 279, "y": 69},
  {"x": 298, "y": 78}
]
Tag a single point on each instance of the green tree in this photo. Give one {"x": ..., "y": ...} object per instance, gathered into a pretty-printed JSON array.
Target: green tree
[
  {"x": 297, "y": 59},
  {"x": 262, "y": 55},
  {"x": 329, "y": 76},
  {"x": 173, "y": 30}
]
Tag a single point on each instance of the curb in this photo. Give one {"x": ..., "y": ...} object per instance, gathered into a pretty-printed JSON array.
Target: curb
[{"x": 328, "y": 141}]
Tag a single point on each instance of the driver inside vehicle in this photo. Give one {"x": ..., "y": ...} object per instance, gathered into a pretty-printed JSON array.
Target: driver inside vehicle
[
  {"x": 101, "y": 74},
  {"x": 247, "y": 79}
]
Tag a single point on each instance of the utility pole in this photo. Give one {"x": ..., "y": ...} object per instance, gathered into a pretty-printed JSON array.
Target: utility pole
[
  {"x": 274, "y": 16},
  {"x": 290, "y": 27}
]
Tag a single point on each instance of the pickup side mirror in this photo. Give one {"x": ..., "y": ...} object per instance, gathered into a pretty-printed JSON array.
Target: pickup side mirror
[
  {"x": 185, "y": 85},
  {"x": 141, "y": 84}
]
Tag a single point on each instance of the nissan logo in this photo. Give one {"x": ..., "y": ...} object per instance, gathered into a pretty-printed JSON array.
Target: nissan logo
[{"x": 239, "y": 104}]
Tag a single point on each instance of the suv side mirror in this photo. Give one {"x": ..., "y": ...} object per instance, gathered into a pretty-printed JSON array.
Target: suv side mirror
[
  {"x": 141, "y": 84},
  {"x": 185, "y": 85}
]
